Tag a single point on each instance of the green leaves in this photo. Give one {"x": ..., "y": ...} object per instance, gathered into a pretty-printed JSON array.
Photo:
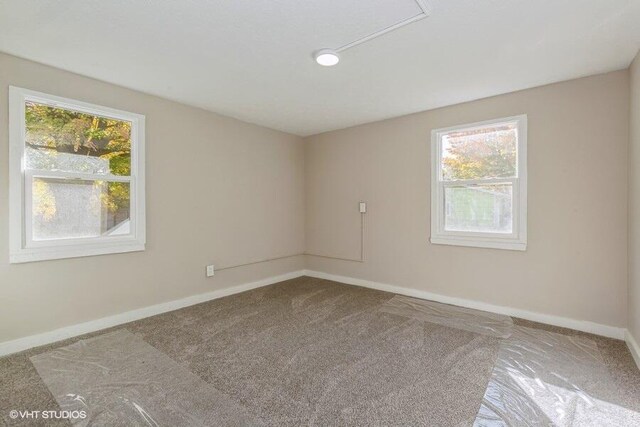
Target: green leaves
[
  {"x": 480, "y": 154},
  {"x": 56, "y": 130}
]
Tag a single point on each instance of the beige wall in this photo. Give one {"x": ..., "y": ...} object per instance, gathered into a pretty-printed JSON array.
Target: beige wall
[
  {"x": 575, "y": 265},
  {"x": 634, "y": 202},
  {"x": 218, "y": 191}
]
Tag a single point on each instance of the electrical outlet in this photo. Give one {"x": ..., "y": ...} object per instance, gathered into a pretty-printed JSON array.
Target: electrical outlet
[
  {"x": 363, "y": 207},
  {"x": 210, "y": 270}
]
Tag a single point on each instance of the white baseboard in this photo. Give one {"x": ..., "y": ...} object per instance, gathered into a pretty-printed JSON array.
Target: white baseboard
[
  {"x": 25, "y": 343},
  {"x": 634, "y": 348},
  {"x": 579, "y": 325}
]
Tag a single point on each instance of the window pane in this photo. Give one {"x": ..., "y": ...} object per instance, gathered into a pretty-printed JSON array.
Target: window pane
[
  {"x": 73, "y": 208},
  {"x": 488, "y": 152},
  {"x": 66, "y": 140},
  {"x": 479, "y": 208}
]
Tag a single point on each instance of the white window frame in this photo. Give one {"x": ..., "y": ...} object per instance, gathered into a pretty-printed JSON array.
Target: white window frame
[
  {"x": 22, "y": 247},
  {"x": 517, "y": 240}
]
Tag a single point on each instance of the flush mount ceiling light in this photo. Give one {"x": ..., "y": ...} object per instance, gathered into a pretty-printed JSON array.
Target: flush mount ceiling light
[
  {"x": 327, "y": 57},
  {"x": 330, "y": 57}
]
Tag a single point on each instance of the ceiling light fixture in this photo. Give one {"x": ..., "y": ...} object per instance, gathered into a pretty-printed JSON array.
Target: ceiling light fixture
[
  {"x": 327, "y": 57},
  {"x": 330, "y": 57}
]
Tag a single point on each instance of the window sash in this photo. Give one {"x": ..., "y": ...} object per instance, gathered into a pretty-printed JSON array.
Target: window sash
[
  {"x": 515, "y": 208},
  {"x": 29, "y": 242}
]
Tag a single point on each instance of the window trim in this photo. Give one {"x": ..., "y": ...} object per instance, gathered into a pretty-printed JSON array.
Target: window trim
[
  {"x": 514, "y": 241},
  {"x": 22, "y": 248}
]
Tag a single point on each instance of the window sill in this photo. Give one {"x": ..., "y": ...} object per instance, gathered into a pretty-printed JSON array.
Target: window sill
[
  {"x": 480, "y": 243},
  {"x": 42, "y": 254}
]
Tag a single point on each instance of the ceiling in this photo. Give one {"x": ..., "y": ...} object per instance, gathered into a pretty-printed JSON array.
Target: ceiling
[{"x": 252, "y": 59}]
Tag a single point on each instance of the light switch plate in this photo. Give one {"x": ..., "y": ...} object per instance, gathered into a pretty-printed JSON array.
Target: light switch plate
[{"x": 210, "y": 270}]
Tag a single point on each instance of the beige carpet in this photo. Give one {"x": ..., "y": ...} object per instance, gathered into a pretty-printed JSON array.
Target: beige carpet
[{"x": 310, "y": 352}]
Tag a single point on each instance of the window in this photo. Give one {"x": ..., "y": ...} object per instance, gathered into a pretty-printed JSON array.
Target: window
[
  {"x": 76, "y": 178},
  {"x": 479, "y": 184}
]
